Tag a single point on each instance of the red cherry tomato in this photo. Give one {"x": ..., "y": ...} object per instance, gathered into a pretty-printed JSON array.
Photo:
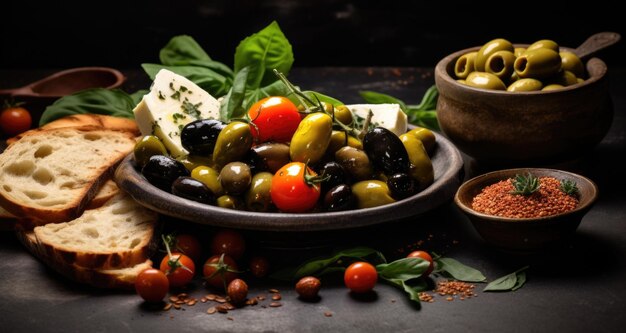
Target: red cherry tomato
[
  {"x": 152, "y": 285},
  {"x": 292, "y": 190},
  {"x": 229, "y": 242},
  {"x": 275, "y": 118},
  {"x": 360, "y": 277},
  {"x": 178, "y": 268},
  {"x": 15, "y": 120},
  {"x": 189, "y": 245},
  {"x": 424, "y": 255},
  {"x": 219, "y": 274}
]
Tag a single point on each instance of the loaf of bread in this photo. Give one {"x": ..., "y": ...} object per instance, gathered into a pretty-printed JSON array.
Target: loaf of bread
[
  {"x": 51, "y": 175},
  {"x": 119, "y": 234},
  {"x": 123, "y": 278},
  {"x": 81, "y": 120}
]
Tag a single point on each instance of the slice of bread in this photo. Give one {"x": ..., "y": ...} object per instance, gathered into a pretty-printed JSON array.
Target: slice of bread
[
  {"x": 107, "y": 191},
  {"x": 123, "y": 278},
  {"x": 51, "y": 175},
  {"x": 119, "y": 234},
  {"x": 80, "y": 120}
]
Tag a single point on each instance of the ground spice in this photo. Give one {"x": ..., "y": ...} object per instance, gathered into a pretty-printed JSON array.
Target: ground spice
[{"x": 549, "y": 200}]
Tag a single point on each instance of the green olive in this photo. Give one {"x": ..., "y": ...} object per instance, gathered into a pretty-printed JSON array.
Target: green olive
[
  {"x": 461, "y": 81},
  {"x": 485, "y": 81},
  {"x": 232, "y": 143},
  {"x": 571, "y": 62},
  {"x": 500, "y": 64},
  {"x": 209, "y": 177},
  {"x": 258, "y": 198},
  {"x": 421, "y": 166},
  {"x": 518, "y": 51},
  {"x": 340, "y": 139},
  {"x": 354, "y": 162},
  {"x": 544, "y": 44},
  {"x": 527, "y": 84},
  {"x": 343, "y": 114},
  {"x": 580, "y": 80},
  {"x": 553, "y": 86},
  {"x": 426, "y": 136},
  {"x": 229, "y": 201},
  {"x": 488, "y": 49},
  {"x": 311, "y": 138},
  {"x": 193, "y": 161},
  {"x": 538, "y": 64},
  {"x": 148, "y": 146},
  {"x": 235, "y": 178},
  {"x": 465, "y": 65},
  {"x": 565, "y": 78},
  {"x": 371, "y": 193}
]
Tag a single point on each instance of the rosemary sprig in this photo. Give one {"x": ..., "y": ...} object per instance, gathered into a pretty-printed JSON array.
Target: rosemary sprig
[{"x": 525, "y": 185}]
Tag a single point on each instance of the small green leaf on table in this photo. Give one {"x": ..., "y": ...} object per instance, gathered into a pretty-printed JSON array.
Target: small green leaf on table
[
  {"x": 509, "y": 282},
  {"x": 456, "y": 270}
]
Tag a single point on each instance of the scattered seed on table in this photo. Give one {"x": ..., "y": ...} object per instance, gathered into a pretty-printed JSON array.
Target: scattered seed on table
[
  {"x": 275, "y": 304},
  {"x": 191, "y": 302},
  {"x": 230, "y": 318},
  {"x": 220, "y": 299},
  {"x": 211, "y": 310},
  {"x": 252, "y": 301},
  {"x": 276, "y": 297},
  {"x": 173, "y": 299},
  {"x": 221, "y": 309},
  {"x": 167, "y": 307},
  {"x": 229, "y": 306},
  {"x": 177, "y": 306},
  {"x": 211, "y": 297},
  {"x": 261, "y": 297},
  {"x": 182, "y": 295},
  {"x": 273, "y": 291},
  {"x": 328, "y": 314},
  {"x": 203, "y": 300},
  {"x": 449, "y": 298}
]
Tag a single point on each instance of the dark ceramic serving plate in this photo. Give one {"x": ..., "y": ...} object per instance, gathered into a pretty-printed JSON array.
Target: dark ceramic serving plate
[{"x": 447, "y": 163}]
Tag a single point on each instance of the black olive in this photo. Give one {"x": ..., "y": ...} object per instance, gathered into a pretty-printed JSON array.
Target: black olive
[
  {"x": 333, "y": 175},
  {"x": 401, "y": 185},
  {"x": 268, "y": 156},
  {"x": 199, "y": 136},
  {"x": 386, "y": 151},
  {"x": 339, "y": 198},
  {"x": 193, "y": 189},
  {"x": 161, "y": 171}
]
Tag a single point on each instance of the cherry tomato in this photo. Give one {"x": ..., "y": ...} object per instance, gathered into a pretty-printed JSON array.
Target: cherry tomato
[
  {"x": 424, "y": 255},
  {"x": 219, "y": 274},
  {"x": 178, "y": 268},
  {"x": 295, "y": 188},
  {"x": 152, "y": 285},
  {"x": 274, "y": 118},
  {"x": 14, "y": 120},
  {"x": 259, "y": 266},
  {"x": 229, "y": 242},
  {"x": 189, "y": 245},
  {"x": 360, "y": 277}
]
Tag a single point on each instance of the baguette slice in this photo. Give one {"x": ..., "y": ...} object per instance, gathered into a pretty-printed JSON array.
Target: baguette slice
[
  {"x": 80, "y": 120},
  {"x": 119, "y": 234},
  {"x": 123, "y": 278},
  {"x": 51, "y": 175}
]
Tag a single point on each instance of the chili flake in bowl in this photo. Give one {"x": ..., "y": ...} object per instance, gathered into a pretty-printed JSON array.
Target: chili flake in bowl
[{"x": 526, "y": 209}]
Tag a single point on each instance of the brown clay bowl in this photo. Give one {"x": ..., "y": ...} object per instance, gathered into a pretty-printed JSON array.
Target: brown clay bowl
[
  {"x": 524, "y": 128},
  {"x": 525, "y": 234}
]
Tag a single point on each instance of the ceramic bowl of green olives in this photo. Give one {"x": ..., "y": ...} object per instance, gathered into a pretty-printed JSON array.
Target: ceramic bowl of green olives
[{"x": 525, "y": 104}]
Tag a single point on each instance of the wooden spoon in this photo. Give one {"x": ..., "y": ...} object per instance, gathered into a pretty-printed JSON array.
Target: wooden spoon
[
  {"x": 595, "y": 43},
  {"x": 69, "y": 81}
]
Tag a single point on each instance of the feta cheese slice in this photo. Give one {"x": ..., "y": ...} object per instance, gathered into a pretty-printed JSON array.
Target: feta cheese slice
[
  {"x": 389, "y": 116},
  {"x": 172, "y": 103}
]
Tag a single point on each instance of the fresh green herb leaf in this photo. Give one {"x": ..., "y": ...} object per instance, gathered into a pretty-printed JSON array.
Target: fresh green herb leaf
[
  {"x": 322, "y": 98},
  {"x": 569, "y": 187},
  {"x": 454, "y": 269},
  {"x": 101, "y": 101},
  {"x": 525, "y": 185},
  {"x": 413, "y": 287},
  {"x": 232, "y": 106},
  {"x": 180, "y": 49},
  {"x": 373, "y": 97},
  {"x": 138, "y": 95},
  {"x": 403, "y": 269},
  {"x": 277, "y": 88},
  {"x": 509, "y": 282},
  {"x": 264, "y": 51}
]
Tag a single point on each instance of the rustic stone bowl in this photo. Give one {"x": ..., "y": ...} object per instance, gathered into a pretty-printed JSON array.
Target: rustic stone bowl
[
  {"x": 525, "y": 234},
  {"x": 517, "y": 129}
]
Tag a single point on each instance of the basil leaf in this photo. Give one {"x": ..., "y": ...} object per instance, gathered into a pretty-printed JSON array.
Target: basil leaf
[
  {"x": 100, "y": 101},
  {"x": 138, "y": 95},
  {"x": 232, "y": 106},
  {"x": 313, "y": 267},
  {"x": 277, "y": 88},
  {"x": 413, "y": 291},
  {"x": 426, "y": 119},
  {"x": 322, "y": 98},
  {"x": 429, "y": 101},
  {"x": 373, "y": 97},
  {"x": 207, "y": 79},
  {"x": 266, "y": 50},
  {"x": 213, "y": 65},
  {"x": 403, "y": 269},
  {"x": 509, "y": 282},
  {"x": 453, "y": 268},
  {"x": 181, "y": 49}
]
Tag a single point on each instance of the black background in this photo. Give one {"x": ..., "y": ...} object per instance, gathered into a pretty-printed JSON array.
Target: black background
[{"x": 123, "y": 34}]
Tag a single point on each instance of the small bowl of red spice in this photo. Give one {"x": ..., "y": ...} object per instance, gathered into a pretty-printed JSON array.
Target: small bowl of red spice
[{"x": 526, "y": 209}]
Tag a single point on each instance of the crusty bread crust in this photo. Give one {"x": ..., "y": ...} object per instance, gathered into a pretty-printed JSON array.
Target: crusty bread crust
[
  {"x": 81, "y": 120},
  {"x": 100, "y": 238},
  {"x": 101, "y": 278},
  {"x": 83, "y": 190}
]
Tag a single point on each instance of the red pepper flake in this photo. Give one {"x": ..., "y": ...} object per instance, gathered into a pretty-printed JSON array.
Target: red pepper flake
[{"x": 549, "y": 200}]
